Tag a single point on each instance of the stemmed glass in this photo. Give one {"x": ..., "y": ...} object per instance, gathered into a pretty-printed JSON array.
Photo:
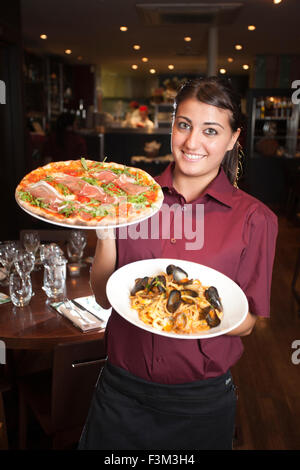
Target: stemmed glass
[
  {"x": 76, "y": 244},
  {"x": 7, "y": 256},
  {"x": 31, "y": 242}
]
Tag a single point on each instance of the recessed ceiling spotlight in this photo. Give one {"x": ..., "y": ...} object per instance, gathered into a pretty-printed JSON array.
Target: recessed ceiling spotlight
[
  {"x": 251, "y": 27},
  {"x": 145, "y": 59},
  {"x": 134, "y": 67},
  {"x": 136, "y": 47},
  {"x": 238, "y": 47},
  {"x": 123, "y": 28},
  {"x": 222, "y": 71},
  {"x": 245, "y": 66},
  {"x": 187, "y": 39},
  {"x": 171, "y": 67},
  {"x": 68, "y": 51},
  {"x": 277, "y": 1},
  {"x": 230, "y": 59},
  {"x": 43, "y": 36},
  {"x": 152, "y": 71}
]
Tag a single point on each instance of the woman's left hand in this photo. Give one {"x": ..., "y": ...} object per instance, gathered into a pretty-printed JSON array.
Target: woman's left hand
[{"x": 244, "y": 328}]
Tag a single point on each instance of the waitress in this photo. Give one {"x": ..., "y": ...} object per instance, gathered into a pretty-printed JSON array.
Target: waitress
[{"x": 157, "y": 392}]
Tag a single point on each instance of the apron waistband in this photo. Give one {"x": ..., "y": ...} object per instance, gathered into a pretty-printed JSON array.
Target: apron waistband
[{"x": 124, "y": 381}]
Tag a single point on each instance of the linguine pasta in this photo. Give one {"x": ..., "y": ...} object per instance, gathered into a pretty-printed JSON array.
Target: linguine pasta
[{"x": 157, "y": 300}]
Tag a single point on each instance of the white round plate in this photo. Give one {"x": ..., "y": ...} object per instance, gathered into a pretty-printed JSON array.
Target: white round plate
[
  {"x": 234, "y": 301},
  {"x": 96, "y": 227}
]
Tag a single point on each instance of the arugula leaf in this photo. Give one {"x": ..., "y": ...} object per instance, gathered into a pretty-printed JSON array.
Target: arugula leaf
[
  {"x": 35, "y": 201},
  {"x": 68, "y": 210},
  {"x": 84, "y": 164},
  {"x": 90, "y": 180}
]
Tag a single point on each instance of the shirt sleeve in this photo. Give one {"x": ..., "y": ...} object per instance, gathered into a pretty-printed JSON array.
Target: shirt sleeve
[{"x": 257, "y": 259}]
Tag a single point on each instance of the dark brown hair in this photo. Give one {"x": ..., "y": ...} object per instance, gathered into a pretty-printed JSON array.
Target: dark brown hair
[{"x": 220, "y": 93}]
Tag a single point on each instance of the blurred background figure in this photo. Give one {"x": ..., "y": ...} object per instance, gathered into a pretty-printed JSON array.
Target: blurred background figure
[
  {"x": 64, "y": 143},
  {"x": 131, "y": 113},
  {"x": 142, "y": 119}
]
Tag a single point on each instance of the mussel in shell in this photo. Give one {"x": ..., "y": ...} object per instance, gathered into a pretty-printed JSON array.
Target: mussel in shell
[
  {"x": 212, "y": 296},
  {"x": 174, "y": 300},
  {"x": 186, "y": 295},
  {"x": 179, "y": 275},
  {"x": 140, "y": 284},
  {"x": 158, "y": 284},
  {"x": 212, "y": 318}
]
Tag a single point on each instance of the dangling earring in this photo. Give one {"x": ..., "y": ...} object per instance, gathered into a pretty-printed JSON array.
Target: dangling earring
[{"x": 239, "y": 168}]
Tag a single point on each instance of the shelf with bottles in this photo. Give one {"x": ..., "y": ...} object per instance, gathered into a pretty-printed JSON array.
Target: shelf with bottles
[{"x": 273, "y": 108}]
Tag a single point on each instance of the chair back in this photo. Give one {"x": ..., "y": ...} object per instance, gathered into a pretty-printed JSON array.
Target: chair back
[{"x": 76, "y": 367}]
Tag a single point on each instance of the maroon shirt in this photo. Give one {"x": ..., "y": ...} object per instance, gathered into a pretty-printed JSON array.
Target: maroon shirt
[{"x": 239, "y": 241}]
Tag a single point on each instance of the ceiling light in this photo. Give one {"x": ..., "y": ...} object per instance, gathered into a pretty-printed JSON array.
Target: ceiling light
[
  {"x": 68, "y": 51},
  {"x": 245, "y": 66},
  {"x": 43, "y": 36},
  {"x": 238, "y": 47},
  {"x": 171, "y": 67},
  {"x": 222, "y": 71},
  {"x": 251, "y": 27},
  {"x": 123, "y": 28},
  {"x": 187, "y": 39},
  {"x": 134, "y": 66},
  {"x": 145, "y": 59},
  {"x": 136, "y": 47},
  {"x": 152, "y": 71},
  {"x": 230, "y": 59},
  {"x": 276, "y": 1}
]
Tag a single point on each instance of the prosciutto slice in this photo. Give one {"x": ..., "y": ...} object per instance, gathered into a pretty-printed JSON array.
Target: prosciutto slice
[
  {"x": 46, "y": 193},
  {"x": 97, "y": 193},
  {"x": 72, "y": 182},
  {"x": 82, "y": 188},
  {"x": 105, "y": 176},
  {"x": 129, "y": 185}
]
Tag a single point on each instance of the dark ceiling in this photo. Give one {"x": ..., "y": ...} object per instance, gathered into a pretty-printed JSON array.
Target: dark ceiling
[{"x": 90, "y": 28}]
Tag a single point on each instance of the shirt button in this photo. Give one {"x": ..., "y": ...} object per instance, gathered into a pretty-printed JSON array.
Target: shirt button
[{"x": 173, "y": 240}]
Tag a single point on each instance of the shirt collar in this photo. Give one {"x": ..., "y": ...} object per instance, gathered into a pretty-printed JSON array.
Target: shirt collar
[{"x": 220, "y": 188}]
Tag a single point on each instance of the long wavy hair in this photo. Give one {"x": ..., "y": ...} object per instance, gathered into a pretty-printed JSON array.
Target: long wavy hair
[{"x": 220, "y": 93}]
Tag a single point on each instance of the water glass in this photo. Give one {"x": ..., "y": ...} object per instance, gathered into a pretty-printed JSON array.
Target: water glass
[
  {"x": 20, "y": 289},
  {"x": 55, "y": 278},
  {"x": 48, "y": 251}
]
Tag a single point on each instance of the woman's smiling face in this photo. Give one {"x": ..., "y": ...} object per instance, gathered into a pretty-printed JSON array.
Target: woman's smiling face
[{"x": 201, "y": 135}]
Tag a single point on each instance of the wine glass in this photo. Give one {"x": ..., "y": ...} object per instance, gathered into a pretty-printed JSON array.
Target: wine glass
[
  {"x": 47, "y": 251},
  {"x": 24, "y": 262},
  {"x": 7, "y": 255},
  {"x": 76, "y": 245},
  {"x": 31, "y": 241}
]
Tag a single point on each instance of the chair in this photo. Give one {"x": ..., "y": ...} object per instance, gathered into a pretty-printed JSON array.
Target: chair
[{"x": 60, "y": 399}]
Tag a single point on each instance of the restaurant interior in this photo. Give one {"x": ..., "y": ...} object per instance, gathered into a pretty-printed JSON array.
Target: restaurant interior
[{"x": 106, "y": 72}]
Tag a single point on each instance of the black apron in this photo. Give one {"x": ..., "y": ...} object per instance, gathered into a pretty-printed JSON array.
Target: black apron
[{"x": 129, "y": 413}]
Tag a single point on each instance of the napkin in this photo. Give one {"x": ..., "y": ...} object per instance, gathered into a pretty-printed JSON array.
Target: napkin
[
  {"x": 4, "y": 298},
  {"x": 89, "y": 303},
  {"x": 82, "y": 319}
]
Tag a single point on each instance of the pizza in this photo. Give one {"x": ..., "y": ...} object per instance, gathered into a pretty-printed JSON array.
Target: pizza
[{"x": 89, "y": 194}]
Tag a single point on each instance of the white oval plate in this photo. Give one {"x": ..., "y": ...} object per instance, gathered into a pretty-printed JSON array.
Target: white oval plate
[{"x": 234, "y": 301}]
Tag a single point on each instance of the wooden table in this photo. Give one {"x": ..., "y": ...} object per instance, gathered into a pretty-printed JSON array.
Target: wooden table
[{"x": 38, "y": 326}]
